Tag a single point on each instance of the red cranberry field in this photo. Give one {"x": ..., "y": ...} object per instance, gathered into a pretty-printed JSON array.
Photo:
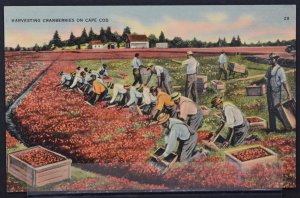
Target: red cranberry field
[{"x": 116, "y": 144}]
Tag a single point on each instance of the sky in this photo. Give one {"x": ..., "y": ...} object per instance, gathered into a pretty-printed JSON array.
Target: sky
[{"x": 206, "y": 23}]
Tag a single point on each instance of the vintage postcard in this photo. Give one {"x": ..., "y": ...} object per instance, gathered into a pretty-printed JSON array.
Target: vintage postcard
[{"x": 150, "y": 98}]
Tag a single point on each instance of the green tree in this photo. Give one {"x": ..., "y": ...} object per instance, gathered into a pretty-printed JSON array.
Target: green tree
[
  {"x": 72, "y": 40},
  {"x": 56, "y": 41},
  {"x": 225, "y": 42},
  {"x": 238, "y": 41},
  {"x": 233, "y": 41},
  {"x": 161, "y": 37},
  {"x": 125, "y": 32},
  {"x": 36, "y": 47},
  {"x": 177, "y": 42},
  {"x": 83, "y": 37},
  {"x": 18, "y": 48},
  {"x": 108, "y": 34},
  {"x": 152, "y": 40},
  {"x": 92, "y": 35}
]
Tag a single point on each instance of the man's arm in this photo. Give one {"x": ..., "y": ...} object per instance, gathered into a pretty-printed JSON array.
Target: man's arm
[
  {"x": 148, "y": 79},
  {"x": 287, "y": 89},
  {"x": 176, "y": 61}
]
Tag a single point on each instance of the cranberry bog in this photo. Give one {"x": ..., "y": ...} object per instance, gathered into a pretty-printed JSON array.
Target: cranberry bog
[{"x": 110, "y": 149}]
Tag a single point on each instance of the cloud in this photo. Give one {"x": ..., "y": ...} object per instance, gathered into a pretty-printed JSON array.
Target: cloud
[{"x": 216, "y": 17}]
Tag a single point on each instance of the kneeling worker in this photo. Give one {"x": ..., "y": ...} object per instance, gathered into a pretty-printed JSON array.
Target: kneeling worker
[
  {"x": 177, "y": 130},
  {"x": 99, "y": 92},
  {"x": 120, "y": 93},
  {"x": 238, "y": 126},
  {"x": 189, "y": 112}
]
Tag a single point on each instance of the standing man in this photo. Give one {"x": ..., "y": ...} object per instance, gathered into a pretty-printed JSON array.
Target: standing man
[
  {"x": 238, "y": 126},
  {"x": 177, "y": 130},
  {"x": 136, "y": 64},
  {"x": 275, "y": 79},
  {"x": 164, "y": 104},
  {"x": 189, "y": 112},
  {"x": 191, "y": 65},
  {"x": 222, "y": 62},
  {"x": 163, "y": 77}
]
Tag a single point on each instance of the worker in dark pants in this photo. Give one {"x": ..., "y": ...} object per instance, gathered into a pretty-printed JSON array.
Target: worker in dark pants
[
  {"x": 238, "y": 126},
  {"x": 136, "y": 64},
  {"x": 222, "y": 62},
  {"x": 189, "y": 111},
  {"x": 275, "y": 79}
]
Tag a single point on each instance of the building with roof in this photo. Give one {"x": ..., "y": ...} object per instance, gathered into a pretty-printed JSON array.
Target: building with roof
[
  {"x": 95, "y": 44},
  {"x": 137, "y": 41}
]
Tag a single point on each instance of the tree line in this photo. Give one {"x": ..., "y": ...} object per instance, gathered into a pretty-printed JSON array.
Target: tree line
[{"x": 106, "y": 36}]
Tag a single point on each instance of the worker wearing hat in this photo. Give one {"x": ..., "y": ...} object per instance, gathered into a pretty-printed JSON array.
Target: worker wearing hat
[
  {"x": 191, "y": 65},
  {"x": 189, "y": 112},
  {"x": 163, "y": 77},
  {"x": 148, "y": 100},
  {"x": 135, "y": 97},
  {"x": 222, "y": 62},
  {"x": 164, "y": 104},
  {"x": 176, "y": 129},
  {"x": 120, "y": 93},
  {"x": 65, "y": 79},
  {"x": 275, "y": 79},
  {"x": 99, "y": 92},
  {"x": 238, "y": 126}
]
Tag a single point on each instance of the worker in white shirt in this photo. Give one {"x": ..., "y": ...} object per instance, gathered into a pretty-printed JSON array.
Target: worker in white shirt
[
  {"x": 238, "y": 126},
  {"x": 188, "y": 111},
  {"x": 222, "y": 62},
  {"x": 78, "y": 80},
  {"x": 135, "y": 97},
  {"x": 177, "y": 130},
  {"x": 120, "y": 93},
  {"x": 163, "y": 77},
  {"x": 136, "y": 64},
  {"x": 65, "y": 79},
  {"x": 191, "y": 65},
  {"x": 148, "y": 100}
]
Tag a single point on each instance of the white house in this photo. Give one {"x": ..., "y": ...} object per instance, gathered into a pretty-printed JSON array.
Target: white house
[
  {"x": 137, "y": 41},
  {"x": 161, "y": 45},
  {"x": 96, "y": 44}
]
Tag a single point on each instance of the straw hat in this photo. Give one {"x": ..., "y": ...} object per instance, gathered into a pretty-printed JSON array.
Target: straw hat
[
  {"x": 189, "y": 53},
  {"x": 127, "y": 86},
  {"x": 162, "y": 118},
  {"x": 110, "y": 84},
  {"x": 175, "y": 96},
  {"x": 139, "y": 87},
  {"x": 216, "y": 101},
  {"x": 273, "y": 56}
]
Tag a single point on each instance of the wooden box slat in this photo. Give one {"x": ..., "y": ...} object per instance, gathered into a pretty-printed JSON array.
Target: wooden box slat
[{"x": 39, "y": 176}]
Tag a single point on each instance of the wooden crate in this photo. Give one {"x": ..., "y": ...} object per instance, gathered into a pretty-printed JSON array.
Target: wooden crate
[
  {"x": 287, "y": 112},
  {"x": 239, "y": 68},
  {"x": 247, "y": 165},
  {"x": 256, "y": 90},
  {"x": 218, "y": 85},
  {"x": 260, "y": 124},
  {"x": 164, "y": 165},
  {"x": 38, "y": 176},
  {"x": 123, "y": 76},
  {"x": 107, "y": 79},
  {"x": 206, "y": 111}
]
